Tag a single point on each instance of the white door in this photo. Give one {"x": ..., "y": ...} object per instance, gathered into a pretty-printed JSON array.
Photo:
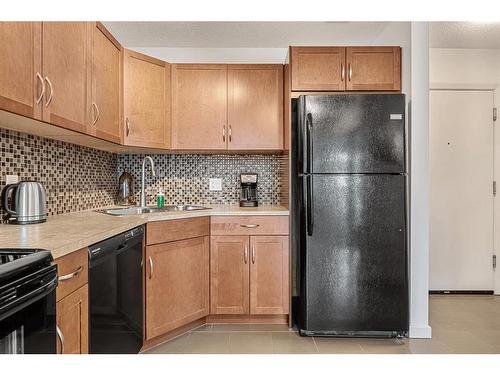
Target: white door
[{"x": 461, "y": 196}]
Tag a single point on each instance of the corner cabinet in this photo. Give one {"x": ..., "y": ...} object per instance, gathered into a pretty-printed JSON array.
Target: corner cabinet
[
  {"x": 146, "y": 99},
  {"x": 345, "y": 68},
  {"x": 177, "y": 279}
]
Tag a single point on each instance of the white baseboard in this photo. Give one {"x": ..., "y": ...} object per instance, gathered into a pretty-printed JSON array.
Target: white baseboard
[{"x": 422, "y": 332}]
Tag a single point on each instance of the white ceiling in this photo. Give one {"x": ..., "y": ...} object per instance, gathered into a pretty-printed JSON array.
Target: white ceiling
[
  {"x": 243, "y": 34},
  {"x": 464, "y": 35}
]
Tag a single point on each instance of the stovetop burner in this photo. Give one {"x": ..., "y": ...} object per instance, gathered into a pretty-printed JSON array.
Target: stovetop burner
[
  {"x": 16, "y": 262},
  {"x": 7, "y": 256}
]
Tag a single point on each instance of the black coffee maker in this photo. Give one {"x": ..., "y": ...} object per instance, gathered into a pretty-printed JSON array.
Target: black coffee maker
[{"x": 248, "y": 190}]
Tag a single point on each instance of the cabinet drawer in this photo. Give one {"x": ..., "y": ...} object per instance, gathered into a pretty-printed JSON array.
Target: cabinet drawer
[
  {"x": 72, "y": 271},
  {"x": 174, "y": 230},
  {"x": 249, "y": 225}
]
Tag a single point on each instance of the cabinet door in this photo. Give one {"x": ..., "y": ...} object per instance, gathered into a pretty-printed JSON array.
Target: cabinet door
[
  {"x": 318, "y": 68},
  {"x": 145, "y": 94},
  {"x": 20, "y": 62},
  {"x": 66, "y": 69},
  {"x": 269, "y": 275},
  {"x": 199, "y": 107},
  {"x": 374, "y": 68},
  {"x": 177, "y": 289},
  {"x": 255, "y": 107},
  {"x": 72, "y": 322},
  {"x": 229, "y": 275},
  {"x": 106, "y": 85}
]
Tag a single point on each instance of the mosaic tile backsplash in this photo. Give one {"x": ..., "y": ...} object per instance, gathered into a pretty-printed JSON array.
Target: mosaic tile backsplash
[
  {"x": 78, "y": 178},
  {"x": 75, "y": 178},
  {"x": 185, "y": 178}
]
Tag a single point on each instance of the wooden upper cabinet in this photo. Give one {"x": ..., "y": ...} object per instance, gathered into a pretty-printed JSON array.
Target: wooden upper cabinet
[
  {"x": 105, "y": 109},
  {"x": 21, "y": 68},
  {"x": 66, "y": 70},
  {"x": 373, "y": 68},
  {"x": 255, "y": 107},
  {"x": 229, "y": 275},
  {"x": 318, "y": 68},
  {"x": 269, "y": 275},
  {"x": 177, "y": 284},
  {"x": 199, "y": 107},
  {"x": 72, "y": 322},
  {"x": 146, "y": 86}
]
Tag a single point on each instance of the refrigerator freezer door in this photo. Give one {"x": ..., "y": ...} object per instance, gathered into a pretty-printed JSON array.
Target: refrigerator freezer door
[
  {"x": 354, "y": 265},
  {"x": 358, "y": 133}
]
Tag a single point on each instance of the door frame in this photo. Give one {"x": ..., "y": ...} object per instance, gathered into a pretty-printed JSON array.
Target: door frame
[{"x": 495, "y": 89}]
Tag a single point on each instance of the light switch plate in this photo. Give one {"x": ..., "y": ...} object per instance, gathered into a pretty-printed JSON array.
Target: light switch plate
[
  {"x": 215, "y": 184},
  {"x": 11, "y": 179}
]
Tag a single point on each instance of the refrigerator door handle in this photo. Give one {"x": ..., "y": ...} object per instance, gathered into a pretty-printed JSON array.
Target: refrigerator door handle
[
  {"x": 309, "y": 144},
  {"x": 309, "y": 205}
]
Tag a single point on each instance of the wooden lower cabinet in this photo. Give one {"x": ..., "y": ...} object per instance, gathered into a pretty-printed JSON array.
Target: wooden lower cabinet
[
  {"x": 229, "y": 275},
  {"x": 269, "y": 275},
  {"x": 72, "y": 322},
  {"x": 249, "y": 275},
  {"x": 177, "y": 284}
]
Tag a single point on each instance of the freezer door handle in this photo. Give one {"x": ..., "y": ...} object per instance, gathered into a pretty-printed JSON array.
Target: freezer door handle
[
  {"x": 309, "y": 205},
  {"x": 309, "y": 145}
]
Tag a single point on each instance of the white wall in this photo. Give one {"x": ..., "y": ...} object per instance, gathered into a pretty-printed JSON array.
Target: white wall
[
  {"x": 454, "y": 68},
  {"x": 464, "y": 68},
  {"x": 419, "y": 182}
]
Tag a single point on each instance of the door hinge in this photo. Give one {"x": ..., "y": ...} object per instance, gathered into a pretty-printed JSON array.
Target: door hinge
[
  {"x": 494, "y": 188},
  {"x": 494, "y": 261},
  {"x": 495, "y": 113}
]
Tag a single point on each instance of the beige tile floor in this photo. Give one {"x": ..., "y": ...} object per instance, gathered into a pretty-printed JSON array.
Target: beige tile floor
[{"x": 460, "y": 324}]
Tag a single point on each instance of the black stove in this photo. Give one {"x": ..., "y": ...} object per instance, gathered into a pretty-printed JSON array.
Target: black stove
[{"x": 28, "y": 281}]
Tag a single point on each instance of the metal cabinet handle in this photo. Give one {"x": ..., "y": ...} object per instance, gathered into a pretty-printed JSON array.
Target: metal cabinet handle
[
  {"x": 51, "y": 93},
  {"x": 253, "y": 254},
  {"x": 224, "y": 134},
  {"x": 249, "y": 225},
  {"x": 127, "y": 126},
  {"x": 246, "y": 254},
  {"x": 61, "y": 338},
  {"x": 150, "y": 268},
  {"x": 96, "y": 110},
  {"x": 342, "y": 72},
  {"x": 230, "y": 133},
  {"x": 350, "y": 72},
  {"x": 42, "y": 83},
  {"x": 71, "y": 275}
]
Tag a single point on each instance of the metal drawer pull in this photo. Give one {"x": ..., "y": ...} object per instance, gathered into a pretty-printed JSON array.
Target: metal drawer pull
[
  {"x": 224, "y": 134},
  {"x": 71, "y": 275},
  {"x": 127, "y": 125},
  {"x": 51, "y": 92},
  {"x": 249, "y": 225},
  {"x": 253, "y": 254},
  {"x": 246, "y": 254},
  {"x": 350, "y": 71},
  {"x": 61, "y": 338},
  {"x": 96, "y": 109},
  {"x": 230, "y": 134},
  {"x": 150, "y": 268},
  {"x": 342, "y": 72},
  {"x": 42, "y": 83}
]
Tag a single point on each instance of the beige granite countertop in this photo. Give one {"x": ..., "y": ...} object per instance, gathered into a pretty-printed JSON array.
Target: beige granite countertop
[{"x": 63, "y": 234}]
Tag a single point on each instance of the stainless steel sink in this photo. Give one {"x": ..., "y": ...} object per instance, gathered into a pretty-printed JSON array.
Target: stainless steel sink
[
  {"x": 184, "y": 207},
  {"x": 147, "y": 210},
  {"x": 128, "y": 211}
]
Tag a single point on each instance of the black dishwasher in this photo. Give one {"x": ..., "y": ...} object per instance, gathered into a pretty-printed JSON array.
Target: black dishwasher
[{"x": 116, "y": 294}]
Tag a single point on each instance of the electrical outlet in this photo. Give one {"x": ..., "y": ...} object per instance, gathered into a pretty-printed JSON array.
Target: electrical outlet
[
  {"x": 215, "y": 184},
  {"x": 11, "y": 179}
]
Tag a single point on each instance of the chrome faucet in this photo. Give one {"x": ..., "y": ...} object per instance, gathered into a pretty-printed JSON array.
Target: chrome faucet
[{"x": 143, "y": 178}]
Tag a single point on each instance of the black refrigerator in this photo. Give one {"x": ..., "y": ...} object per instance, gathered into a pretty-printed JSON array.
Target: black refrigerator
[{"x": 349, "y": 215}]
